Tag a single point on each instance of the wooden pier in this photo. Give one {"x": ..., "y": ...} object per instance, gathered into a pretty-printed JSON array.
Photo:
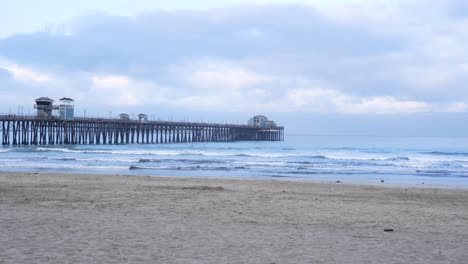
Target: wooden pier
[{"x": 36, "y": 130}]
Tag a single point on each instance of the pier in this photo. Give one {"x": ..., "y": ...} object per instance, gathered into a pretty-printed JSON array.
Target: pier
[{"x": 49, "y": 130}]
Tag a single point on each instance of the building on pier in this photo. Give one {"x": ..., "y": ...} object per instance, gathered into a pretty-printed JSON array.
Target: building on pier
[
  {"x": 261, "y": 121},
  {"x": 44, "y": 106},
  {"x": 142, "y": 118},
  {"x": 124, "y": 117},
  {"x": 66, "y": 109}
]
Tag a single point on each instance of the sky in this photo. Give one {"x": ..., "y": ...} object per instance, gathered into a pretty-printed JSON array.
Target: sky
[{"x": 354, "y": 67}]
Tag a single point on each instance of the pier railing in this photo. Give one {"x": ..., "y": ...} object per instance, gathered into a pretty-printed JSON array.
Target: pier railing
[{"x": 41, "y": 130}]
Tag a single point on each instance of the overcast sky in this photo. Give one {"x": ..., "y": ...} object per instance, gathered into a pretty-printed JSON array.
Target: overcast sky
[{"x": 322, "y": 67}]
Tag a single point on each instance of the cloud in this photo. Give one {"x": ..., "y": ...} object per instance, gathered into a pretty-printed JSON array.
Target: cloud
[
  {"x": 24, "y": 74},
  {"x": 386, "y": 105},
  {"x": 118, "y": 90},
  {"x": 219, "y": 75},
  {"x": 110, "y": 81},
  {"x": 322, "y": 100},
  {"x": 400, "y": 57},
  {"x": 456, "y": 107},
  {"x": 227, "y": 78}
]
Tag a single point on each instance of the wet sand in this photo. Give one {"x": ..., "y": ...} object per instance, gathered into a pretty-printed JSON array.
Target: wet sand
[{"x": 71, "y": 218}]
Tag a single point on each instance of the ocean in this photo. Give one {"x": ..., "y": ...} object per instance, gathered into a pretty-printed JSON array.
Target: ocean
[{"x": 352, "y": 159}]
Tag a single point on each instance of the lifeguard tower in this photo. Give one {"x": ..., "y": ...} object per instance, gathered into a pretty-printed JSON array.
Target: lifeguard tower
[{"x": 44, "y": 106}]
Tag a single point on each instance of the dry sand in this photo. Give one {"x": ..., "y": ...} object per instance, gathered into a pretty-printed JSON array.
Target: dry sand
[{"x": 59, "y": 218}]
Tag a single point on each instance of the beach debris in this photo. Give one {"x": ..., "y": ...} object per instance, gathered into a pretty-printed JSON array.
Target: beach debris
[
  {"x": 382, "y": 181},
  {"x": 338, "y": 181},
  {"x": 388, "y": 230}
]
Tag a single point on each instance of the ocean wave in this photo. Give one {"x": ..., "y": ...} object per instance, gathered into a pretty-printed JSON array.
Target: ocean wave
[
  {"x": 201, "y": 153},
  {"x": 281, "y": 176},
  {"x": 64, "y": 159},
  {"x": 288, "y": 149},
  {"x": 188, "y": 161},
  {"x": 317, "y": 157},
  {"x": 66, "y": 150},
  {"x": 434, "y": 171},
  {"x": 91, "y": 159},
  {"x": 331, "y": 172},
  {"x": 354, "y": 157},
  {"x": 54, "y": 150},
  {"x": 39, "y": 157},
  {"x": 232, "y": 148},
  {"x": 263, "y": 163},
  {"x": 181, "y": 168},
  {"x": 398, "y": 159},
  {"x": 153, "y": 152},
  {"x": 447, "y": 153},
  {"x": 107, "y": 159},
  {"x": 186, "y": 154},
  {"x": 299, "y": 162},
  {"x": 8, "y": 161},
  {"x": 206, "y": 161},
  {"x": 442, "y": 171},
  {"x": 242, "y": 155},
  {"x": 303, "y": 172},
  {"x": 220, "y": 168},
  {"x": 136, "y": 168}
]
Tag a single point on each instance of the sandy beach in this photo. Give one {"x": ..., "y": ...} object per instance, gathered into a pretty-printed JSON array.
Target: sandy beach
[{"x": 71, "y": 218}]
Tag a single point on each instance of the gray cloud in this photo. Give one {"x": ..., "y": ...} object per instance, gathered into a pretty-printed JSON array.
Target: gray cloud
[
  {"x": 164, "y": 37},
  {"x": 367, "y": 59}
]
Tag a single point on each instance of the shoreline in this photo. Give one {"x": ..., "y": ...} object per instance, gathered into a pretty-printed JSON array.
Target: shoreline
[
  {"x": 95, "y": 218},
  {"x": 375, "y": 183}
]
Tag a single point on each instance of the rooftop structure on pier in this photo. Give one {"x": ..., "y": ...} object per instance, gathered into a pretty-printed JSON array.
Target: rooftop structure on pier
[
  {"x": 142, "y": 118},
  {"x": 66, "y": 109},
  {"x": 44, "y": 106},
  {"x": 124, "y": 117},
  {"x": 261, "y": 121}
]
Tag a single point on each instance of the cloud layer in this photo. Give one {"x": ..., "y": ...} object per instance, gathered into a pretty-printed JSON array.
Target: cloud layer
[{"x": 372, "y": 58}]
